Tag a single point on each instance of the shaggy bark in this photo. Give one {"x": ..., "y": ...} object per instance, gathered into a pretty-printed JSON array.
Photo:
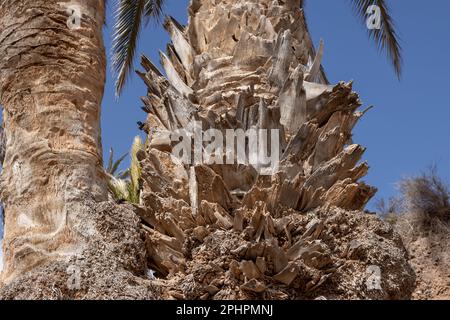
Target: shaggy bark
[
  {"x": 224, "y": 231},
  {"x": 227, "y": 232},
  {"x": 51, "y": 86},
  {"x": 253, "y": 65}
]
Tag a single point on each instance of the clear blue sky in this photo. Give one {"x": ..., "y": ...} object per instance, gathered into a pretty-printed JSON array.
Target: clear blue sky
[{"x": 407, "y": 130}]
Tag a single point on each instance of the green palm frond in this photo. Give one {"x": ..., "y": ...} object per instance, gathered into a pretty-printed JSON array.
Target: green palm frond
[
  {"x": 126, "y": 185},
  {"x": 154, "y": 9},
  {"x": 129, "y": 16},
  {"x": 119, "y": 188},
  {"x": 110, "y": 160},
  {"x": 114, "y": 165},
  {"x": 386, "y": 36},
  {"x": 123, "y": 174}
]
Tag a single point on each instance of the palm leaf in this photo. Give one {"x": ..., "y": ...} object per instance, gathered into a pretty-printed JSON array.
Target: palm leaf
[
  {"x": 386, "y": 37},
  {"x": 117, "y": 163},
  {"x": 125, "y": 174},
  {"x": 154, "y": 9},
  {"x": 114, "y": 165},
  {"x": 129, "y": 18},
  {"x": 119, "y": 188},
  {"x": 126, "y": 185},
  {"x": 110, "y": 160}
]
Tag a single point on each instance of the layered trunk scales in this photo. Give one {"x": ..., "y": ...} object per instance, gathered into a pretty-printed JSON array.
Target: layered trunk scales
[
  {"x": 227, "y": 231},
  {"x": 52, "y": 75},
  {"x": 252, "y": 64},
  {"x": 211, "y": 231}
]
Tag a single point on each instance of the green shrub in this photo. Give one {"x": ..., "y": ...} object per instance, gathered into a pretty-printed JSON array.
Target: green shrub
[{"x": 126, "y": 185}]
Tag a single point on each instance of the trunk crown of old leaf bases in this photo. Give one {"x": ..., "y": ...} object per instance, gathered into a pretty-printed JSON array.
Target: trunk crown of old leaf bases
[
  {"x": 253, "y": 65},
  {"x": 52, "y": 78},
  {"x": 206, "y": 231}
]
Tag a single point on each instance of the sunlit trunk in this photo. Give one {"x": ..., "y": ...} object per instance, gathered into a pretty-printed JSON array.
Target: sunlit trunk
[
  {"x": 52, "y": 74},
  {"x": 234, "y": 231}
]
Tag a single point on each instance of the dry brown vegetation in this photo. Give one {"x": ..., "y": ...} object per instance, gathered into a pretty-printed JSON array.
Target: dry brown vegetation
[
  {"x": 423, "y": 204},
  {"x": 421, "y": 214}
]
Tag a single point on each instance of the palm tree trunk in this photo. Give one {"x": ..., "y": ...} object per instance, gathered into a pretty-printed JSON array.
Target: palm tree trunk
[
  {"x": 231, "y": 232},
  {"x": 222, "y": 232},
  {"x": 253, "y": 62},
  {"x": 51, "y": 86}
]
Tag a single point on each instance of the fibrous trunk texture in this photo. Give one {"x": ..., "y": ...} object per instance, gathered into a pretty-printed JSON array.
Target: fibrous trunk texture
[
  {"x": 226, "y": 231},
  {"x": 211, "y": 231},
  {"x": 51, "y": 85}
]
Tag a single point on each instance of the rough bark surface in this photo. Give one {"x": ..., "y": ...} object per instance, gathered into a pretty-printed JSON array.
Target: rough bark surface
[
  {"x": 51, "y": 86},
  {"x": 226, "y": 232},
  {"x": 112, "y": 264}
]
